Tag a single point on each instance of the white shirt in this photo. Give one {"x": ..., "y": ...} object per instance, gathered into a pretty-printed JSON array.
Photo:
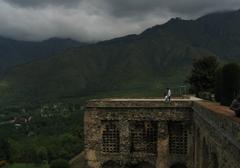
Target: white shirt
[{"x": 169, "y": 93}]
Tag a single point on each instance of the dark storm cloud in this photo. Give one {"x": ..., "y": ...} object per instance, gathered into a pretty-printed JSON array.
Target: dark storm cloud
[
  {"x": 43, "y": 3},
  {"x": 90, "y": 20},
  {"x": 182, "y": 7}
]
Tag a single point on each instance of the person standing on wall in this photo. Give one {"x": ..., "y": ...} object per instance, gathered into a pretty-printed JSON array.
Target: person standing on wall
[{"x": 168, "y": 96}]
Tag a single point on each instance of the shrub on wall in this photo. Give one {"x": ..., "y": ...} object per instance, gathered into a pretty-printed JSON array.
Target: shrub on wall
[{"x": 228, "y": 83}]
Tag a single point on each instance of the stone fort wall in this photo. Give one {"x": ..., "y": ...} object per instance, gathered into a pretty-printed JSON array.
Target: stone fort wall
[
  {"x": 216, "y": 136},
  {"x": 150, "y": 132}
]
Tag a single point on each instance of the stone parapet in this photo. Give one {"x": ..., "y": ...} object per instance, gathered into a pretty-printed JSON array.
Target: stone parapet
[{"x": 138, "y": 103}]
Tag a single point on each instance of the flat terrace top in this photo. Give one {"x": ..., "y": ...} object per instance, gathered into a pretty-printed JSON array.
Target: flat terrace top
[
  {"x": 191, "y": 98},
  {"x": 144, "y": 103}
]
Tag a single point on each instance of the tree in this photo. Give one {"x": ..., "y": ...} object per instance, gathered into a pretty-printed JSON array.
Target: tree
[
  {"x": 202, "y": 77},
  {"x": 59, "y": 163},
  {"x": 41, "y": 155},
  {"x": 4, "y": 149},
  {"x": 230, "y": 83}
]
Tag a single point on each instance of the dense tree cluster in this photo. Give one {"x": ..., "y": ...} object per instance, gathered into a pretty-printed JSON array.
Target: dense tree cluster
[
  {"x": 202, "y": 76},
  {"x": 209, "y": 77},
  {"x": 228, "y": 83},
  {"x": 44, "y": 149},
  {"x": 49, "y": 135}
]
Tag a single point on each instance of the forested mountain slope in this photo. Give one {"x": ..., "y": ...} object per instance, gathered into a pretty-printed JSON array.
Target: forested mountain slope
[{"x": 160, "y": 56}]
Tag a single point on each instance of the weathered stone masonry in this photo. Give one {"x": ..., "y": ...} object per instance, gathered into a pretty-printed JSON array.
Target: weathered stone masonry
[
  {"x": 217, "y": 138},
  {"x": 124, "y": 132}
]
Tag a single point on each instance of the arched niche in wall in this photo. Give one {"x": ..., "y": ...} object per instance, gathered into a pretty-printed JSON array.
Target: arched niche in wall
[
  {"x": 213, "y": 160},
  {"x": 141, "y": 165},
  {"x": 178, "y": 165},
  {"x": 111, "y": 164},
  {"x": 198, "y": 145},
  {"x": 205, "y": 154}
]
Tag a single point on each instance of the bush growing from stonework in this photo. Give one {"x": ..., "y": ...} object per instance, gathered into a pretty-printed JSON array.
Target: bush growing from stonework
[
  {"x": 229, "y": 83},
  {"x": 202, "y": 77},
  {"x": 59, "y": 163}
]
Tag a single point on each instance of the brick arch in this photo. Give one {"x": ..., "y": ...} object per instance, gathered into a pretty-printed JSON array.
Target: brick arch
[
  {"x": 142, "y": 165},
  {"x": 111, "y": 164},
  {"x": 205, "y": 154},
  {"x": 213, "y": 160},
  {"x": 198, "y": 147},
  {"x": 178, "y": 165}
]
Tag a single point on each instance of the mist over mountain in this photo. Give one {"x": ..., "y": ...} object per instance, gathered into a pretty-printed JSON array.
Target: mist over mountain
[
  {"x": 158, "y": 57},
  {"x": 14, "y": 52}
]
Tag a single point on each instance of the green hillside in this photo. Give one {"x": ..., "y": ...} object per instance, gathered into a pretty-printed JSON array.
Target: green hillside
[
  {"x": 135, "y": 65},
  {"x": 14, "y": 52}
]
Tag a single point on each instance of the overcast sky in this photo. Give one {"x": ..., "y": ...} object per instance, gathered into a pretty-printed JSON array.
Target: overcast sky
[{"x": 93, "y": 20}]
